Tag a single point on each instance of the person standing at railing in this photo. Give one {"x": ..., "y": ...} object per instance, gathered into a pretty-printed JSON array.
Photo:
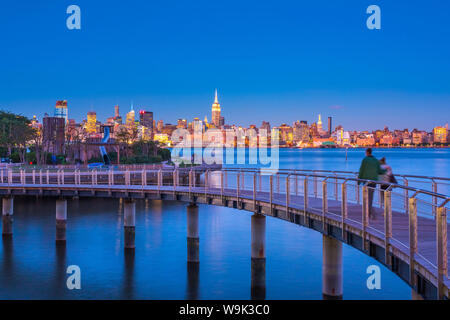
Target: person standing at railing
[
  {"x": 387, "y": 177},
  {"x": 370, "y": 170}
]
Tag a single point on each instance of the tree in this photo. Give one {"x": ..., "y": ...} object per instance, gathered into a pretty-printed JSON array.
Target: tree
[{"x": 15, "y": 133}]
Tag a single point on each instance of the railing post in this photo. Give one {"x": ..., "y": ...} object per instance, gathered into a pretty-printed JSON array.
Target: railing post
[
  {"x": 441, "y": 237},
  {"x": 174, "y": 177},
  {"x": 278, "y": 182},
  {"x": 34, "y": 177},
  {"x": 406, "y": 195},
  {"x": 336, "y": 188},
  {"x": 254, "y": 192},
  {"x": 243, "y": 180},
  {"x": 315, "y": 187},
  {"x": 190, "y": 182},
  {"x": 365, "y": 215},
  {"x": 40, "y": 176},
  {"x": 206, "y": 181},
  {"x": 324, "y": 202},
  {"x": 387, "y": 225},
  {"x": 127, "y": 177},
  {"x": 305, "y": 194},
  {"x": 48, "y": 177},
  {"x": 221, "y": 184},
  {"x": 412, "y": 239},
  {"x": 344, "y": 207},
  {"x": 358, "y": 197},
  {"x": 225, "y": 179},
  {"x": 237, "y": 187},
  {"x": 62, "y": 176},
  {"x": 1, "y": 175},
  {"x": 159, "y": 179},
  {"x": 260, "y": 181},
  {"x": 287, "y": 196},
  {"x": 271, "y": 194},
  {"x": 296, "y": 182},
  {"x": 434, "y": 199},
  {"x": 10, "y": 179}
]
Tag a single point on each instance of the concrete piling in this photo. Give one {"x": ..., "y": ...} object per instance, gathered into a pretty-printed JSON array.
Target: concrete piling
[
  {"x": 7, "y": 216},
  {"x": 129, "y": 222},
  {"x": 258, "y": 254},
  {"x": 332, "y": 269},
  {"x": 61, "y": 220},
  {"x": 192, "y": 234}
]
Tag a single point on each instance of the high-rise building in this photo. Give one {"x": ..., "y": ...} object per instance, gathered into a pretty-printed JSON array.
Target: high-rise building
[
  {"x": 91, "y": 124},
  {"x": 61, "y": 110},
  {"x": 146, "y": 119},
  {"x": 182, "y": 124},
  {"x": 116, "y": 111},
  {"x": 330, "y": 125},
  {"x": 130, "y": 119},
  {"x": 319, "y": 124},
  {"x": 440, "y": 135},
  {"x": 53, "y": 129},
  {"x": 216, "y": 112},
  {"x": 160, "y": 125}
]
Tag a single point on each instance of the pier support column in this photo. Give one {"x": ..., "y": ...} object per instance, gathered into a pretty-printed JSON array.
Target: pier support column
[
  {"x": 61, "y": 220},
  {"x": 129, "y": 222},
  {"x": 192, "y": 234},
  {"x": 258, "y": 235},
  {"x": 332, "y": 269},
  {"x": 7, "y": 216}
]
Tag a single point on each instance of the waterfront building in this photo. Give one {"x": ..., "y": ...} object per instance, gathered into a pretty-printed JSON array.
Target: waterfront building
[
  {"x": 440, "y": 135},
  {"x": 286, "y": 134},
  {"x": 53, "y": 134}
]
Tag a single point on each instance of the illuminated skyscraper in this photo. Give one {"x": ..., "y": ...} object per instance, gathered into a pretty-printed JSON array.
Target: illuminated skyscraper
[
  {"x": 216, "y": 112},
  {"x": 91, "y": 125},
  {"x": 319, "y": 124},
  {"x": 130, "y": 117},
  {"x": 61, "y": 110}
]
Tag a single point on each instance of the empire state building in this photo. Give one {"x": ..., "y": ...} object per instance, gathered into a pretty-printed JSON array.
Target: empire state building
[{"x": 216, "y": 112}]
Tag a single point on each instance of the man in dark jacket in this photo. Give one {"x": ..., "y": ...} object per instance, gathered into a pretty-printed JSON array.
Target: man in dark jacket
[{"x": 370, "y": 170}]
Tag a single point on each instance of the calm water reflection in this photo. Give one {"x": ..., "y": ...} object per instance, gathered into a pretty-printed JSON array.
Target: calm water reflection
[{"x": 32, "y": 266}]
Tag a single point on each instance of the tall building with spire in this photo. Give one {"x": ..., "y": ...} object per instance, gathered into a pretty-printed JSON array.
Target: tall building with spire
[
  {"x": 130, "y": 119},
  {"x": 215, "y": 119},
  {"x": 319, "y": 124}
]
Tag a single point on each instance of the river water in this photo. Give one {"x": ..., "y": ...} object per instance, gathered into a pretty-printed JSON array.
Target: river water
[{"x": 33, "y": 267}]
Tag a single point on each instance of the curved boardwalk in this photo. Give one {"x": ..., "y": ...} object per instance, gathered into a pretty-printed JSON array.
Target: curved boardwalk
[{"x": 408, "y": 234}]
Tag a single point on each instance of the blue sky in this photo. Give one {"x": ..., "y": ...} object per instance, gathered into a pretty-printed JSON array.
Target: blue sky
[{"x": 271, "y": 60}]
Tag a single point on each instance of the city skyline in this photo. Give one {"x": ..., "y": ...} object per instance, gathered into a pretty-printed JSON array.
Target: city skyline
[
  {"x": 103, "y": 116},
  {"x": 277, "y": 61}
]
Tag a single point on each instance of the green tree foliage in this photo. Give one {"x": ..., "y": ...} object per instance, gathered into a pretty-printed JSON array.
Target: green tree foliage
[{"x": 15, "y": 134}]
